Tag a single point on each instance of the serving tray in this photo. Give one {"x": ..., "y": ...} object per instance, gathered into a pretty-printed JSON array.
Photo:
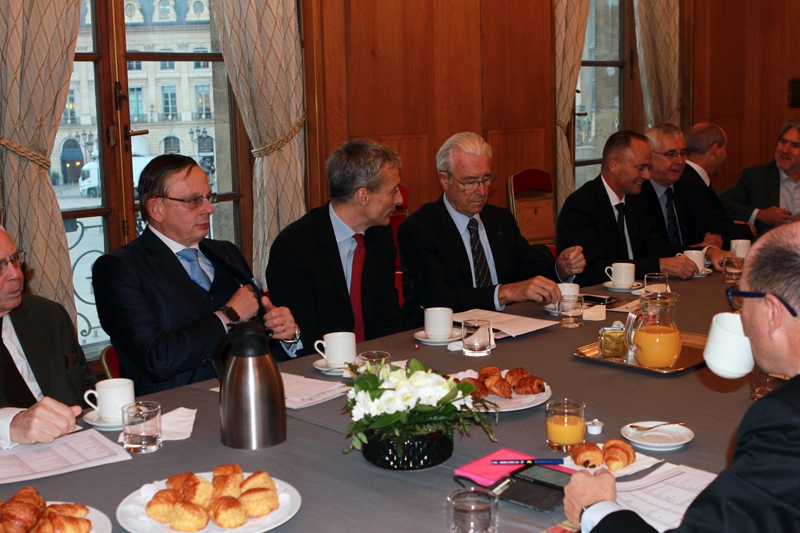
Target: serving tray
[{"x": 691, "y": 355}]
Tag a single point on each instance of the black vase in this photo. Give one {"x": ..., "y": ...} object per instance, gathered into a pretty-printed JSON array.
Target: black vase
[{"x": 419, "y": 451}]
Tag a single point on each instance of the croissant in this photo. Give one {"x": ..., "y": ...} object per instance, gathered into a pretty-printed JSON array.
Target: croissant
[
  {"x": 161, "y": 506},
  {"x": 529, "y": 385},
  {"x": 176, "y": 482},
  {"x": 188, "y": 517},
  {"x": 19, "y": 516},
  {"x": 618, "y": 454},
  {"x": 587, "y": 455},
  {"x": 226, "y": 485},
  {"x": 30, "y": 495},
  {"x": 228, "y": 512},
  {"x": 513, "y": 376},
  {"x": 258, "y": 479},
  {"x": 480, "y": 389},
  {"x": 487, "y": 371},
  {"x": 498, "y": 385},
  {"x": 56, "y": 523}
]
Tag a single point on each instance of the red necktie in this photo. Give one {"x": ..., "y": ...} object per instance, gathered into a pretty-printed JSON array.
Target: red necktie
[{"x": 355, "y": 286}]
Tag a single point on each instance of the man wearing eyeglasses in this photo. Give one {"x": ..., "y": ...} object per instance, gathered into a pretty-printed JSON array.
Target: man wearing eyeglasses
[
  {"x": 43, "y": 372},
  {"x": 463, "y": 253},
  {"x": 769, "y": 195},
  {"x": 759, "y": 491},
  {"x": 168, "y": 298}
]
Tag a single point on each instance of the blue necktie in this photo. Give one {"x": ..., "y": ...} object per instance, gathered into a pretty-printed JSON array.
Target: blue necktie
[
  {"x": 483, "y": 278},
  {"x": 195, "y": 272}
]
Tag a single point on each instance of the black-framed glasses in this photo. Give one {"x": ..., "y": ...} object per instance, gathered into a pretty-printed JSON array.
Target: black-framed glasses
[
  {"x": 16, "y": 259},
  {"x": 672, "y": 154},
  {"x": 472, "y": 182},
  {"x": 195, "y": 201},
  {"x": 736, "y": 298}
]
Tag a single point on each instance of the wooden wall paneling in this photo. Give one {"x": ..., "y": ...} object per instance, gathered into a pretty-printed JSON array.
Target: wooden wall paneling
[
  {"x": 416, "y": 173},
  {"x": 515, "y": 150},
  {"x": 315, "y": 121},
  {"x": 791, "y": 52}
]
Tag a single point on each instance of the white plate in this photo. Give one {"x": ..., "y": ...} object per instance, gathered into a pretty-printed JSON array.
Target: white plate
[
  {"x": 93, "y": 419},
  {"x": 517, "y": 402},
  {"x": 421, "y": 337},
  {"x": 610, "y": 286},
  {"x": 638, "y": 292},
  {"x": 703, "y": 273},
  {"x": 322, "y": 366},
  {"x": 131, "y": 511},
  {"x": 661, "y": 439},
  {"x": 100, "y": 521}
]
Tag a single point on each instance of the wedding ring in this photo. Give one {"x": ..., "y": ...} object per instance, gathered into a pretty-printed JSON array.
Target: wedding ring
[{"x": 284, "y": 328}]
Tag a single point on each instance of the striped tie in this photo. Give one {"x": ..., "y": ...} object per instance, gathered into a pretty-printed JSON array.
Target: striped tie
[{"x": 483, "y": 277}]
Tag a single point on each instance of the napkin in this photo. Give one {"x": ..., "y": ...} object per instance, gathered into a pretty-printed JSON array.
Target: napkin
[
  {"x": 596, "y": 312},
  {"x": 175, "y": 425}
]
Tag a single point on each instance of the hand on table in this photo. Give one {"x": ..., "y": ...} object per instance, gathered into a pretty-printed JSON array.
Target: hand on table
[
  {"x": 279, "y": 320},
  {"x": 715, "y": 255},
  {"x": 570, "y": 262},
  {"x": 680, "y": 266},
  {"x": 585, "y": 489},
  {"x": 774, "y": 216},
  {"x": 539, "y": 289},
  {"x": 44, "y": 422}
]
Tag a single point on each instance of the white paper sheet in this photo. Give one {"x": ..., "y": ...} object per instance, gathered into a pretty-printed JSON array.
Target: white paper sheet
[
  {"x": 302, "y": 392},
  {"x": 510, "y": 324}
]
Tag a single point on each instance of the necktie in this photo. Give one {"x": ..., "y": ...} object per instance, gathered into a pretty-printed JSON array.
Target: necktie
[
  {"x": 355, "y": 286},
  {"x": 672, "y": 223},
  {"x": 195, "y": 272},
  {"x": 12, "y": 384},
  {"x": 483, "y": 277},
  {"x": 621, "y": 225}
]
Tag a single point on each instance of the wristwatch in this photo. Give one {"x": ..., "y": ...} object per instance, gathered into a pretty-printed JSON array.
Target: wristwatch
[
  {"x": 296, "y": 337},
  {"x": 229, "y": 312}
]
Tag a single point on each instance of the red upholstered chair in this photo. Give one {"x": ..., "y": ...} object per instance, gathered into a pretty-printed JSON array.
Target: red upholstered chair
[
  {"x": 399, "y": 215},
  {"x": 531, "y": 200},
  {"x": 108, "y": 357}
]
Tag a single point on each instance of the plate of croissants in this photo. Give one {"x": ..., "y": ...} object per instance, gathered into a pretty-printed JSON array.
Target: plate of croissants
[
  {"x": 27, "y": 512},
  {"x": 615, "y": 455},
  {"x": 215, "y": 501},
  {"x": 510, "y": 390}
]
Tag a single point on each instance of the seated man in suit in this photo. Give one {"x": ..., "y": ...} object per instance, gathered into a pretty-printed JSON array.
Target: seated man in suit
[
  {"x": 607, "y": 220},
  {"x": 336, "y": 264},
  {"x": 769, "y": 195},
  {"x": 707, "y": 148},
  {"x": 760, "y": 491},
  {"x": 463, "y": 253},
  {"x": 167, "y": 298},
  {"x": 43, "y": 372}
]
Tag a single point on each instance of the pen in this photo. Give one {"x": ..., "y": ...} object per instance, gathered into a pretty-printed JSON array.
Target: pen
[{"x": 528, "y": 461}]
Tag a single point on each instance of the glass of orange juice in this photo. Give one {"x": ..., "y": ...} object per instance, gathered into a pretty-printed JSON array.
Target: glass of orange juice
[{"x": 565, "y": 423}]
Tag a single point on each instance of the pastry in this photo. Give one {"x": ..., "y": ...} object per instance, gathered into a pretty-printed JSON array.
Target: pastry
[
  {"x": 259, "y": 502},
  {"x": 618, "y": 454},
  {"x": 227, "y": 512},
  {"x": 513, "y": 376},
  {"x": 30, "y": 495},
  {"x": 529, "y": 385},
  {"x": 226, "y": 485},
  {"x": 18, "y": 516},
  {"x": 188, "y": 517},
  {"x": 67, "y": 509},
  {"x": 487, "y": 371},
  {"x": 198, "y": 490},
  {"x": 56, "y": 523},
  {"x": 587, "y": 455},
  {"x": 498, "y": 385},
  {"x": 176, "y": 482},
  {"x": 258, "y": 479},
  {"x": 161, "y": 506},
  {"x": 480, "y": 389},
  {"x": 231, "y": 469}
]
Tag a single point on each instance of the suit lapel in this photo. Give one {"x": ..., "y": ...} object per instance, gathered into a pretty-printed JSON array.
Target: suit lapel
[
  {"x": 329, "y": 253},
  {"x": 173, "y": 273},
  {"x": 774, "y": 184},
  {"x": 29, "y": 339}
]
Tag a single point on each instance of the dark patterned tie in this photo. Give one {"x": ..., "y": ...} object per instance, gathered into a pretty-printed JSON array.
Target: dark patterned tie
[
  {"x": 12, "y": 383},
  {"x": 195, "y": 272},
  {"x": 355, "y": 287},
  {"x": 672, "y": 223},
  {"x": 483, "y": 278},
  {"x": 621, "y": 223}
]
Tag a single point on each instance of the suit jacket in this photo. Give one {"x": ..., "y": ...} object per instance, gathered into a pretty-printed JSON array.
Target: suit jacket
[
  {"x": 161, "y": 323},
  {"x": 305, "y": 273},
  {"x": 707, "y": 212},
  {"x": 48, "y": 340},
  {"x": 655, "y": 215},
  {"x": 587, "y": 219},
  {"x": 758, "y": 187},
  {"x": 759, "y": 491},
  {"x": 436, "y": 267}
]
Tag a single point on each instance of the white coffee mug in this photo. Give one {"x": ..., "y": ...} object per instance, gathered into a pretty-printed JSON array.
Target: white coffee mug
[
  {"x": 697, "y": 256},
  {"x": 622, "y": 274},
  {"x": 569, "y": 289},
  {"x": 438, "y": 323},
  {"x": 111, "y": 396},
  {"x": 740, "y": 247},
  {"x": 339, "y": 348},
  {"x": 727, "y": 352}
]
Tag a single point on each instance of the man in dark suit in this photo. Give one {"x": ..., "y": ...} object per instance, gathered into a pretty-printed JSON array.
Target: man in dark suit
[
  {"x": 606, "y": 218},
  {"x": 43, "y": 372},
  {"x": 760, "y": 491},
  {"x": 769, "y": 195},
  {"x": 314, "y": 261},
  {"x": 463, "y": 253},
  {"x": 707, "y": 145},
  {"x": 167, "y": 298}
]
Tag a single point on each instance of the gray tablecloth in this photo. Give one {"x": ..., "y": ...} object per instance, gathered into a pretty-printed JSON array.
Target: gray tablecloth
[{"x": 345, "y": 493}]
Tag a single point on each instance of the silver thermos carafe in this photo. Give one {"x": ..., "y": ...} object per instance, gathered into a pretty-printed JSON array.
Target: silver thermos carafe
[{"x": 252, "y": 406}]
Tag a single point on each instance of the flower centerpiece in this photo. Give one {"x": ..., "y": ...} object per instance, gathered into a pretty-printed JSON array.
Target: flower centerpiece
[{"x": 406, "y": 418}]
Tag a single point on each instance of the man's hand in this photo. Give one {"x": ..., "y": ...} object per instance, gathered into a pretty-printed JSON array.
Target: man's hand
[
  {"x": 570, "y": 261},
  {"x": 715, "y": 255},
  {"x": 539, "y": 289},
  {"x": 244, "y": 303},
  {"x": 680, "y": 266},
  {"x": 711, "y": 239},
  {"x": 585, "y": 489},
  {"x": 753, "y": 226},
  {"x": 279, "y": 320},
  {"x": 774, "y": 216},
  {"x": 44, "y": 422}
]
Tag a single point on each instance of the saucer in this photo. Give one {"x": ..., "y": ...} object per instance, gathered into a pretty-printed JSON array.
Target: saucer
[
  {"x": 93, "y": 419},
  {"x": 421, "y": 337},
  {"x": 662, "y": 439},
  {"x": 322, "y": 366},
  {"x": 610, "y": 286},
  {"x": 703, "y": 273}
]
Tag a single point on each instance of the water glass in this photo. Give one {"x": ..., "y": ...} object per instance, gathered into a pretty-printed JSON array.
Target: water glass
[
  {"x": 141, "y": 426},
  {"x": 476, "y": 336},
  {"x": 762, "y": 383},
  {"x": 570, "y": 311},
  {"x": 732, "y": 269},
  {"x": 655, "y": 282},
  {"x": 375, "y": 359},
  {"x": 472, "y": 510}
]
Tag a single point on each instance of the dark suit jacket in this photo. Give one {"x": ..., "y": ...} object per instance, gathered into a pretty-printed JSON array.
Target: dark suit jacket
[
  {"x": 47, "y": 337},
  {"x": 656, "y": 216},
  {"x": 161, "y": 323},
  {"x": 758, "y": 187},
  {"x": 587, "y": 219},
  {"x": 436, "y": 267},
  {"x": 305, "y": 273},
  {"x": 760, "y": 491}
]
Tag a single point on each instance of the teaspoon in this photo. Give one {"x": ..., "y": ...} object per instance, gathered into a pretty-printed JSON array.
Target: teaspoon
[{"x": 646, "y": 428}]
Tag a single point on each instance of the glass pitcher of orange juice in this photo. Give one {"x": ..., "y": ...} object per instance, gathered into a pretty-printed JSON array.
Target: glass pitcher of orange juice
[{"x": 652, "y": 334}]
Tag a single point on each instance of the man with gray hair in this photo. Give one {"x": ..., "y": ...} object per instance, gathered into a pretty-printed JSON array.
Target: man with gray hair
[
  {"x": 336, "y": 264},
  {"x": 769, "y": 195},
  {"x": 463, "y": 253}
]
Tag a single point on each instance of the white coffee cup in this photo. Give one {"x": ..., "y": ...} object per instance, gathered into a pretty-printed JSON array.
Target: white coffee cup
[
  {"x": 340, "y": 348},
  {"x": 622, "y": 274},
  {"x": 740, "y": 247},
  {"x": 569, "y": 289},
  {"x": 727, "y": 352},
  {"x": 111, "y": 396},
  {"x": 438, "y": 323},
  {"x": 697, "y": 256}
]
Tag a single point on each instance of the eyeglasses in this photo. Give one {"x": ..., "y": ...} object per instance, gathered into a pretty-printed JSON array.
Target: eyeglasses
[
  {"x": 195, "y": 201},
  {"x": 672, "y": 154},
  {"x": 17, "y": 259},
  {"x": 472, "y": 182},
  {"x": 736, "y": 298}
]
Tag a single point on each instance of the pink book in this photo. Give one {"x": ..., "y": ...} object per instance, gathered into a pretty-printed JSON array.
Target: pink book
[{"x": 484, "y": 473}]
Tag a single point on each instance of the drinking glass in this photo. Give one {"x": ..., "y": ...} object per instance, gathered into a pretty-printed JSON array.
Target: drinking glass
[
  {"x": 141, "y": 425},
  {"x": 375, "y": 359},
  {"x": 655, "y": 282},
  {"x": 762, "y": 383},
  {"x": 566, "y": 423},
  {"x": 732, "y": 269},
  {"x": 570, "y": 311},
  {"x": 472, "y": 510},
  {"x": 476, "y": 336}
]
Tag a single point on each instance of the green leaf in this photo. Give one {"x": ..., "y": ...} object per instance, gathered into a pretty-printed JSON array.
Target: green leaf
[{"x": 413, "y": 366}]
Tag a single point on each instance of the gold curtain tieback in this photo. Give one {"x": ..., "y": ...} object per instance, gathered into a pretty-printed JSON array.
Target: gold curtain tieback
[
  {"x": 33, "y": 157},
  {"x": 277, "y": 145}
]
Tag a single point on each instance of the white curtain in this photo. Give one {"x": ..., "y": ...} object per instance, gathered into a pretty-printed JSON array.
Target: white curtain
[
  {"x": 260, "y": 42},
  {"x": 658, "y": 45},
  {"x": 570, "y": 29},
  {"x": 37, "y": 46}
]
